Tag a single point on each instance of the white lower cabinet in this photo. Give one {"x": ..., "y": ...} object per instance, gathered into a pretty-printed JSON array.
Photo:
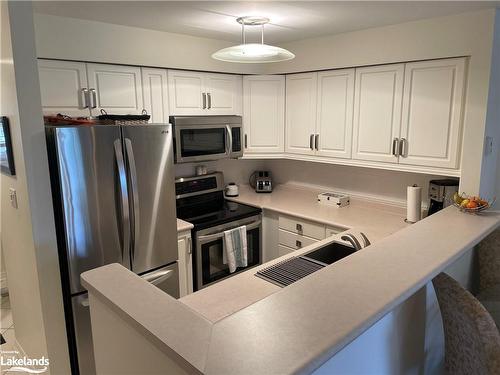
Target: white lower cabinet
[{"x": 185, "y": 248}]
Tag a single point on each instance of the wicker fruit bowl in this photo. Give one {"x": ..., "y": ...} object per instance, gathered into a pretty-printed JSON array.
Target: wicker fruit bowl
[{"x": 471, "y": 204}]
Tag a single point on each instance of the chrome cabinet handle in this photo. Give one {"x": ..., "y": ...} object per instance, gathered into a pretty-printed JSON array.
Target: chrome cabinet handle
[
  {"x": 298, "y": 244},
  {"x": 85, "y": 97},
  {"x": 135, "y": 195},
  {"x": 123, "y": 188},
  {"x": 311, "y": 141},
  {"x": 190, "y": 245},
  {"x": 298, "y": 227},
  {"x": 94, "y": 98},
  {"x": 204, "y": 96},
  {"x": 394, "y": 146},
  {"x": 85, "y": 302},
  {"x": 316, "y": 142},
  {"x": 209, "y": 96},
  {"x": 402, "y": 147},
  {"x": 246, "y": 141}
]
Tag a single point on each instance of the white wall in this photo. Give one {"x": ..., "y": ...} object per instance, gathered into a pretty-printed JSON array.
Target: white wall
[
  {"x": 28, "y": 235},
  {"x": 75, "y": 39},
  {"x": 468, "y": 34}
]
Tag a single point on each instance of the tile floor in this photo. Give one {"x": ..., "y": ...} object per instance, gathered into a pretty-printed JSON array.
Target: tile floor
[{"x": 7, "y": 330}]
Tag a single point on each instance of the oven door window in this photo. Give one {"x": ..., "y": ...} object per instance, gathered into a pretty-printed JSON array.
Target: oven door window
[
  {"x": 213, "y": 267},
  {"x": 198, "y": 142}
]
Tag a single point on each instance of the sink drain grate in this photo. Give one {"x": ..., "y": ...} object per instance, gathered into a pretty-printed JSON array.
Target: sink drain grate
[{"x": 288, "y": 271}]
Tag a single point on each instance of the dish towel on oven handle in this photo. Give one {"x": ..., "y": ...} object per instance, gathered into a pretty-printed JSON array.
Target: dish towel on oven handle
[{"x": 235, "y": 248}]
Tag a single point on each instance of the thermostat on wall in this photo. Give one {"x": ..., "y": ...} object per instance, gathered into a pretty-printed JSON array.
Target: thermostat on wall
[{"x": 334, "y": 199}]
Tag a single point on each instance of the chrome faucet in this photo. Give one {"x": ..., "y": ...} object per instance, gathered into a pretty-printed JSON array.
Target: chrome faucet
[{"x": 351, "y": 238}]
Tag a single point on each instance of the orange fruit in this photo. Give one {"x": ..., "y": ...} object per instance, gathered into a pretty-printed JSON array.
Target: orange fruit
[{"x": 472, "y": 204}]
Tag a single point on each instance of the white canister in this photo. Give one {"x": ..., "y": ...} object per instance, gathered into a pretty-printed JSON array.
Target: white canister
[{"x": 232, "y": 190}]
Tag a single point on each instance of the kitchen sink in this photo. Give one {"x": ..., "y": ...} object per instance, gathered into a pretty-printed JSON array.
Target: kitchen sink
[
  {"x": 293, "y": 269},
  {"x": 330, "y": 253}
]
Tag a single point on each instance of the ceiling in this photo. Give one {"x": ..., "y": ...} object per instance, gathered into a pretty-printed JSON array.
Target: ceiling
[{"x": 290, "y": 20}]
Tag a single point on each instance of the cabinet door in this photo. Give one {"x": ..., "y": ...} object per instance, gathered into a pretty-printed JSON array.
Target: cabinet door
[
  {"x": 335, "y": 110},
  {"x": 155, "y": 92},
  {"x": 185, "y": 264},
  {"x": 223, "y": 94},
  {"x": 118, "y": 89},
  {"x": 301, "y": 90},
  {"x": 186, "y": 93},
  {"x": 432, "y": 112},
  {"x": 62, "y": 85},
  {"x": 264, "y": 113},
  {"x": 377, "y": 112}
]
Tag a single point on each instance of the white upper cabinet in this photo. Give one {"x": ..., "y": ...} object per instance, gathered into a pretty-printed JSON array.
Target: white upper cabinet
[
  {"x": 115, "y": 88},
  {"x": 301, "y": 91},
  {"x": 196, "y": 93},
  {"x": 335, "y": 112},
  {"x": 223, "y": 94},
  {"x": 264, "y": 113},
  {"x": 377, "y": 112},
  {"x": 186, "y": 92},
  {"x": 63, "y": 86},
  {"x": 155, "y": 93},
  {"x": 432, "y": 113}
]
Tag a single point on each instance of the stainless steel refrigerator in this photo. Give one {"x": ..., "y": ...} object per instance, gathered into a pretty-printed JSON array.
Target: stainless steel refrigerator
[{"x": 114, "y": 202}]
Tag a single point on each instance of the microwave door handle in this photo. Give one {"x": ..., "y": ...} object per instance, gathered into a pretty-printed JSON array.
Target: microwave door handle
[
  {"x": 216, "y": 236},
  {"x": 230, "y": 138},
  {"x": 124, "y": 200},
  {"x": 135, "y": 195}
]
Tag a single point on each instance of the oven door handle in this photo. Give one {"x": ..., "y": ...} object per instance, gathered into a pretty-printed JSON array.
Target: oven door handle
[{"x": 216, "y": 236}]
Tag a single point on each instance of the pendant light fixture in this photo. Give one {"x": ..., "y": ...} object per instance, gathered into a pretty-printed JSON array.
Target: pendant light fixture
[{"x": 253, "y": 52}]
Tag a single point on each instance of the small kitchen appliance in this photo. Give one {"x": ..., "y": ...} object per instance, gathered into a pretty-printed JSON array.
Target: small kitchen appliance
[
  {"x": 232, "y": 190},
  {"x": 441, "y": 194},
  {"x": 261, "y": 181},
  {"x": 202, "y": 138},
  {"x": 334, "y": 199}
]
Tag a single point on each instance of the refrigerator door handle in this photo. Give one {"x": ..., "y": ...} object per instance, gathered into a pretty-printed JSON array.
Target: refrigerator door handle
[
  {"x": 125, "y": 211},
  {"x": 157, "y": 277},
  {"x": 135, "y": 196}
]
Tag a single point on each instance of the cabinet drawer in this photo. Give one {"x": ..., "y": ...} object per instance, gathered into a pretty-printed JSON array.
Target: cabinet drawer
[
  {"x": 283, "y": 250},
  {"x": 295, "y": 241},
  {"x": 302, "y": 227},
  {"x": 330, "y": 231}
]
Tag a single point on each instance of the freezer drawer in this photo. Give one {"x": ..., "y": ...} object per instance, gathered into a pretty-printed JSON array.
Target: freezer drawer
[{"x": 166, "y": 279}]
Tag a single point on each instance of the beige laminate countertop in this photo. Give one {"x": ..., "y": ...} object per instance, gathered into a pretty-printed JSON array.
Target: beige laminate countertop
[
  {"x": 183, "y": 226},
  {"x": 375, "y": 219},
  {"x": 235, "y": 293},
  {"x": 298, "y": 328}
]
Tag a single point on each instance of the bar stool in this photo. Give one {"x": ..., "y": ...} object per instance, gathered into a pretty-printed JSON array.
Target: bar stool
[
  {"x": 472, "y": 341},
  {"x": 488, "y": 252}
]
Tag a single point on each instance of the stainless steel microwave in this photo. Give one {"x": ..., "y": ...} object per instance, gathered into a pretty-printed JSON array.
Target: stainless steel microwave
[{"x": 202, "y": 138}]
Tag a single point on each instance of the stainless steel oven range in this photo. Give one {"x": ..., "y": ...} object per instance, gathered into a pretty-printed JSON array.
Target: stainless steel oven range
[{"x": 200, "y": 201}]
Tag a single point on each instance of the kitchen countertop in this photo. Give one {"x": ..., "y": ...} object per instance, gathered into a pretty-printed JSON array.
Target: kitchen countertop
[
  {"x": 295, "y": 330},
  {"x": 230, "y": 295},
  {"x": 183, "y": 226},
  {"x": 376, "y": 220}
]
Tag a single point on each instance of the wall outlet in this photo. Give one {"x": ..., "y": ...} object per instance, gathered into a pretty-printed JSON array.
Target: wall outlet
[
  {"x": 13, "y": 197},
  {"x": 488, "y": 145}
]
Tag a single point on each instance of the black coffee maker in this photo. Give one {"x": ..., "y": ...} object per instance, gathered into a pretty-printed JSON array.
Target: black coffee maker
[{"x": 441, "y": 194}]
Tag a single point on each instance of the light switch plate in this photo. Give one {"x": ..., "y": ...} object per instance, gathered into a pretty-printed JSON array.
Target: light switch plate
[{"x": 13, "y": 197}]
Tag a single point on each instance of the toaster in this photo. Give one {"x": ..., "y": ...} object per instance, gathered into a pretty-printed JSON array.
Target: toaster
[{"x": 263, "y": 182}]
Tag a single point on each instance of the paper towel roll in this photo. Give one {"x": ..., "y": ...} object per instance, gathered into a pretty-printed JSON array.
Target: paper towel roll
[{"x": 413, "y": 203}]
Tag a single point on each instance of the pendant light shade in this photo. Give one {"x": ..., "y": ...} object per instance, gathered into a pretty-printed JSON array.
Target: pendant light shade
[{"x": 253, "y": 52}]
